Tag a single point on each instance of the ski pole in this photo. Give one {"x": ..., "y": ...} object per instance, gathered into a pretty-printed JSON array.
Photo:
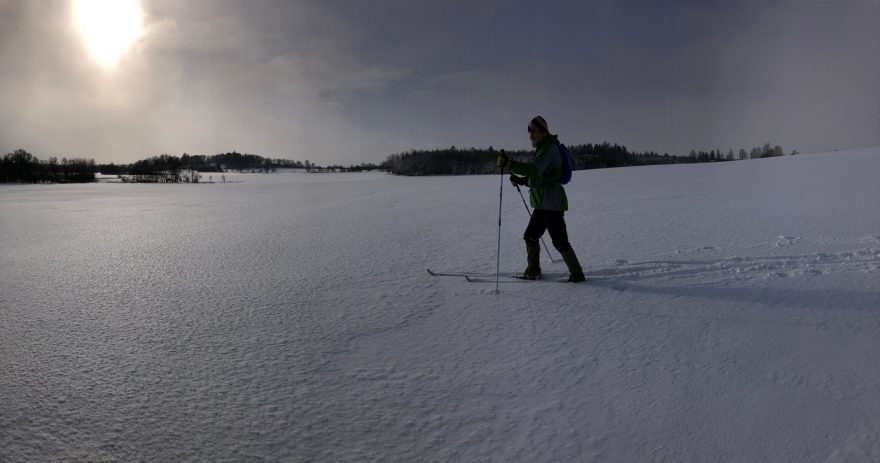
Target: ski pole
[
  {"x": 498, "y": 258},
  {"x": 530, "y": 215}
]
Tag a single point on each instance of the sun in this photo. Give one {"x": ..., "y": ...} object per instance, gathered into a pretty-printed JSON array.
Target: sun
[{"x": 108, "y": 27}]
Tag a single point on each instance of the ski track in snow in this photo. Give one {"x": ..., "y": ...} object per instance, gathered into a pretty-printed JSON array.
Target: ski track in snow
[
  {"x": 743, "y": 268},
  {"x": 731, "y": 314}
]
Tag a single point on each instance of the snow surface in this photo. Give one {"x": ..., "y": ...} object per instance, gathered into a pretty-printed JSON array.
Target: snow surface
[{"x": 733, "y": 314}]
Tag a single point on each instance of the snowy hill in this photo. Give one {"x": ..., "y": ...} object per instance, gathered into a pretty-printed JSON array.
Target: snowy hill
[{"x": 732, "y": 314}]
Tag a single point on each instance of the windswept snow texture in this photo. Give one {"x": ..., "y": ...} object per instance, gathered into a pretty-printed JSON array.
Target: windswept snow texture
[{"x": 732, "y": 314}]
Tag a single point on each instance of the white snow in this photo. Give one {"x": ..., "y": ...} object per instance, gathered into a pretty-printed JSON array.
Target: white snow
[{"x": 732, "y": 314}]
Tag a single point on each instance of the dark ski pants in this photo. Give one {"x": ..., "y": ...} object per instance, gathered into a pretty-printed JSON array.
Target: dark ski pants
[{"x": 550, "y": 221}]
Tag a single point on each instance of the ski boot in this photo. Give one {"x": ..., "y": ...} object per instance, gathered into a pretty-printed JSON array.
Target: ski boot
[
  {"x": 576, "y": 273},
  {"x": 533, "y": 262}
]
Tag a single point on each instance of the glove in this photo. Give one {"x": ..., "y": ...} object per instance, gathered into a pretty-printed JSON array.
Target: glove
[
  {"x": 503, "y": 160},
  {"x": 517, "y": 180}
]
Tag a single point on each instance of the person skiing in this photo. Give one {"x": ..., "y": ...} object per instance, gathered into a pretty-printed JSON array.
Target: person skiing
[{"x": 542, "y": 175}]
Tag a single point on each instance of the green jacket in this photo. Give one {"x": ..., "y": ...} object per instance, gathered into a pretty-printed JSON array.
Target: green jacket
[{"x": 544, "y": 172}]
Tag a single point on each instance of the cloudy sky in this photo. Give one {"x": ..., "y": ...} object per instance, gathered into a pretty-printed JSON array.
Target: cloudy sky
[{"x": 350, "y": 81}]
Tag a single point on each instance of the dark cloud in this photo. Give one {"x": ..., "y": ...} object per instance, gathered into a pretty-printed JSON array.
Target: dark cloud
[{"x": 347, "y": 81}]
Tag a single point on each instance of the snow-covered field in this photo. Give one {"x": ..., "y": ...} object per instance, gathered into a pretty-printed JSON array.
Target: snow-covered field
[{"x": 733, "y": 314}]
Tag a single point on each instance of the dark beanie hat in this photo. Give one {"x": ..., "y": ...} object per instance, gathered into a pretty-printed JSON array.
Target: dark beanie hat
[{"x": 540, "y": 124}]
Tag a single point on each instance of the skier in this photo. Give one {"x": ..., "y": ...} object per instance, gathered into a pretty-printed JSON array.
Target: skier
[{"x": 547, "y": 196}]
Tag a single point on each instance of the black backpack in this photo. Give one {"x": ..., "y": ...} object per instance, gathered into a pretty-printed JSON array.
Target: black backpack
[{"x": 566, "y": 163}]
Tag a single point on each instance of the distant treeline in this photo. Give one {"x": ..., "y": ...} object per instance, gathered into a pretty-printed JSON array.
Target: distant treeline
[
  {"x": 168, "y": 167},
  {"x": 21, "y": 166},
  {"x": 455, "y": 161},
  {"x": 222, "y": 162}
]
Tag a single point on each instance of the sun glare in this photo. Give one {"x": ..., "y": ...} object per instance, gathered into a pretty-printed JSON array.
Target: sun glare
[{"x": 109, "y": 27}]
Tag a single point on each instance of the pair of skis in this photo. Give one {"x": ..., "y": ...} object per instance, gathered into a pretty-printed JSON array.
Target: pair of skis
[{"x": 472, "y": 277}]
